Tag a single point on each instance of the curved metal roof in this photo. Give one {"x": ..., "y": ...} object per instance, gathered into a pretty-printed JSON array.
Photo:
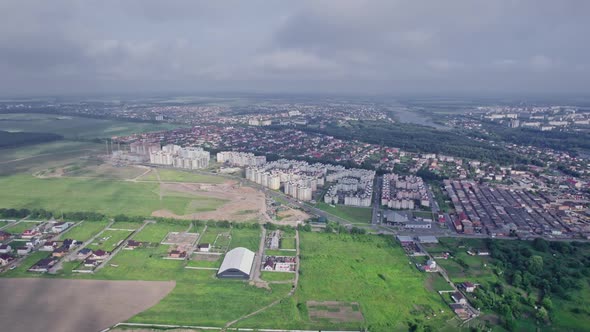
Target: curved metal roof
[{"x": 237, "y": 259}]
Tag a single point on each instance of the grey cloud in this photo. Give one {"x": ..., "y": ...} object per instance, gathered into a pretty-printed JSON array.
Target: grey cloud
[{"x": 392, "y": 46}]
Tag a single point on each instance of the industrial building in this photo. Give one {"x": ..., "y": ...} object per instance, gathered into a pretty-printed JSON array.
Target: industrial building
[{"x": 237, "y": 264}]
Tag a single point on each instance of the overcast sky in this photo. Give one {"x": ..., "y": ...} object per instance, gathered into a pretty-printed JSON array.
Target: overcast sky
[{"x": 341, "y": 46}]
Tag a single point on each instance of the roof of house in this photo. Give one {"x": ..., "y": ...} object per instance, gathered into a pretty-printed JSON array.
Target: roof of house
[
  {"x": 85, "y": 251},
  {"x": 240, "y": 259},
  {"x": 203, "y": 245},
  {"x": 100, "y": 252},
  {"x": 457, "y": 296}
]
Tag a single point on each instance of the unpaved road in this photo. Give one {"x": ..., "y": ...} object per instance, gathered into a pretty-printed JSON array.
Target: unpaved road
[{"x": 74, "y": 305}]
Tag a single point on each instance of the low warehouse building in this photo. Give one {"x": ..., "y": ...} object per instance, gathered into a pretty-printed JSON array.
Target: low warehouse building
[{"x": 237, "y": 264}]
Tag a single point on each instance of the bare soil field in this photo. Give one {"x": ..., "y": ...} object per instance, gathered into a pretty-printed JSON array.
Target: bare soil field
[
  {"x": 239, "y": 198},
  {"x": 292, "y": 216},
  {"x": 334, "y": 311},
  {"x": 75, "y": 305}
]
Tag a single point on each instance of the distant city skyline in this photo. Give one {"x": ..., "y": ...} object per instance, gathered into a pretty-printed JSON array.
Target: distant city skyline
[{"x": 327, "y": 47}]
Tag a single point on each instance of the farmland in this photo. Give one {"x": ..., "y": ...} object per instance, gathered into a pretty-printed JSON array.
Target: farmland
[
  {"x": 73, "y": 127},
  {"x": 170, "y": 175},
  {"x": 98, "y": 195},
  {"x": 390, "y": 291}
]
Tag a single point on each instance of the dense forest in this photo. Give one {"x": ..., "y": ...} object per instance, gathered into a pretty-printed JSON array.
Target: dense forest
[
  {"x": 553, "y": 139},
  {"x": 9, "y": 140},
  {"x": 416, "y": 138}
]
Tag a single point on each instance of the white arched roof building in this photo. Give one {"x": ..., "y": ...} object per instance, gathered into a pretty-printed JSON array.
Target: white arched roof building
[{"x": 236, "y": 264}]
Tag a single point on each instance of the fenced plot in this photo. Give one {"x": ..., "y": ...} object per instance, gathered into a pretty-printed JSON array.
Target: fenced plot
[
  {"x": 180, "y": 238},
  {"x": 334, "y": 311}
]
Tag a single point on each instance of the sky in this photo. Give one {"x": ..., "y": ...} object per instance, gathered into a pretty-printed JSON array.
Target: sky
[{"x": 317, "y": 46}]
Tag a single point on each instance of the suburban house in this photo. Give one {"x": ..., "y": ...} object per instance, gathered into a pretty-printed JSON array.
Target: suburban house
[
  {"x": 5, "y": 249},
  {"x": 132, "y": 245},
  {"x": 5, "y": 259},
  {"x": 4, "y": 236},
  {"x": 430, "y": 266},
  {"x": 177, "y": 254},
  {"x": 269, "y": 265},
  {"x": 483, "y": 253},
  {"x": 469, "y": 287},
  {"x": 30, "y": 233},
  {"x": 43, "y": 265},
  {"x": 458, "y": 298},
  {"x": 69, "y": 243},
  {"x": 32, "y": 242},
  {"x": 48, "y": 246},
  {"x": 60, "y": 227},
  {"x": 89, "y": 262},
  {"x": 99, "y": 254},
  {"x": 23, "y": 250},
  {"x": 204, "y": 247},
  {"x": 84, "y": 253},
  {"x": 60, "y": 252}
]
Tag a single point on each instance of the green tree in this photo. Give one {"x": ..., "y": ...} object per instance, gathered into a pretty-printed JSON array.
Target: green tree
[{"x": 535, "y": 264}]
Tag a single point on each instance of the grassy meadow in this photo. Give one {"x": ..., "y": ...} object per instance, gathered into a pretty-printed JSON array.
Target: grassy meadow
[
  {"x": 97, "y": 195},
  {"x": 358, "y": 215},
  {"x": 370, "y": 270}
]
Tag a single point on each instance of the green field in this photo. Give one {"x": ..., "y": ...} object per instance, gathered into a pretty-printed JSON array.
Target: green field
[
  {"x": 353, "y": 214},
  {"x": 287, "y": 243},
  {"x": 280, "y": 252},
  {"x": 370, "y": 270},
  {"x": 172, "y": 175},
  {"x": 75, "y": 127},
  {"x": 126, "y": 225},
  {"x": 20, "y": 227},
  {"x": 108, "y": 240},
  {"x": 84, "y": 231},
  {"x": 97, "y": 195},
  {"x": 277, "y": 276},
  {"x": 155, "y": 233},
  {"x": 206, "y": 263},
  {"x": 247, "y": 238}
]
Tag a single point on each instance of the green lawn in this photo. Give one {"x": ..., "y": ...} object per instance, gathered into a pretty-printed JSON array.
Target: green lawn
[
  {"x": 277, "y": 276},
  {"x": 206, "y": 263},
  {"x": 20, "y": 227},
  {"x": 84, "y": 231},
  {"x": 280, "y": 252},
  {"x": 126, "y": 225},
  {"x": 287, "y": 243},
  {"x": 248, "y": 238},
  {"x": 155, "y": 233},
  {"x": 180, "y": 176},
  {"x": 370, "y": 270},
  {"x": 108, "y": 240},
  {"x": 97, "y": 195},
  {"x": 198, "y": 298},
  {"x": 352, "y": 214},
  {"x": 21, "y": 270}
]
